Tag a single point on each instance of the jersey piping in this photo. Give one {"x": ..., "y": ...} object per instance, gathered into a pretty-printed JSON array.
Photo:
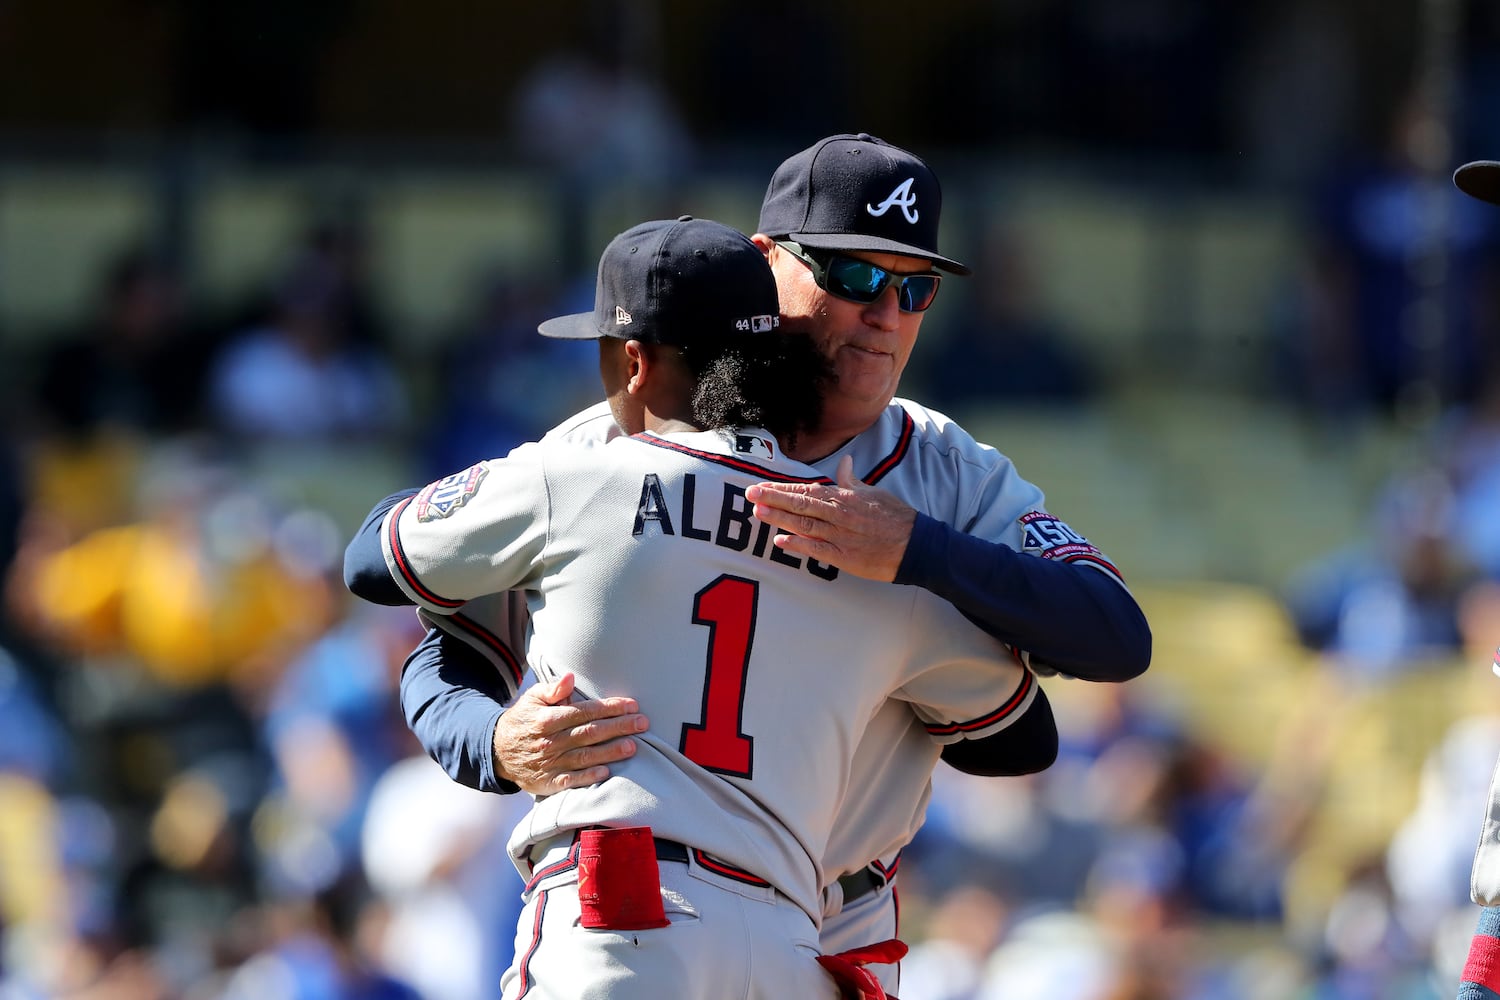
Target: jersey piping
[
  {"x": 739, "y": 465},
  {"x": 897, "y": 453},
  {"x": 492, "y": 642},
  {"x": 404, "y": 565},
  {"x": 985, "y": 721}
]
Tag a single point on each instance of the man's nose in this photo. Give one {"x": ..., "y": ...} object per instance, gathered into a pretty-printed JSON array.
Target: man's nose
[{"x": 885, "y": 312}]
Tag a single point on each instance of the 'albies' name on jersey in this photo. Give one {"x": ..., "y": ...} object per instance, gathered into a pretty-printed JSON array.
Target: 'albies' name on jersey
[{"x": 733, "y": 528}]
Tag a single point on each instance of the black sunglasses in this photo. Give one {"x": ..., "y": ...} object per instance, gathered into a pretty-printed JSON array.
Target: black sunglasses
[{"x": 860, "y": 281}]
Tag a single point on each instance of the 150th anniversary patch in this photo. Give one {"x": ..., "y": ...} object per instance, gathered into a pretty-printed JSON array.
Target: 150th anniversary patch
[
  {"x": 1044, "y": 535},
  {"x": 445, "y": 496}
]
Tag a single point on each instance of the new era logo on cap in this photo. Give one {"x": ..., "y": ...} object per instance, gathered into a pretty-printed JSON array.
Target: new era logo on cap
[
  {"x": 857, "y": 192},
  {"x": 622, "y": 318}
]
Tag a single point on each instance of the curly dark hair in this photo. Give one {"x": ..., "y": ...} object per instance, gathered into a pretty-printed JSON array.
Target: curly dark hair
[{"x": 774, "y": 381}]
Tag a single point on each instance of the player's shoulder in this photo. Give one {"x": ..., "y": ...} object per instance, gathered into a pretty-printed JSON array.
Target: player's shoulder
[
  {"x": 593, "y": 425},
  {"x": 934, "y": 429}
]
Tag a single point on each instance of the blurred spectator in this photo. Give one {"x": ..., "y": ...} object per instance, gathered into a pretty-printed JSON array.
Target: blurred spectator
[
  {"x": 327, "y": 948},
  {"x": 1380, "y": 606},
  {"x": 1427, "y": 863},
  {"x": 210, "y": 584},
  {"x": 310, "y": 373},
  {"x": 436, "y": 851},
  {"x": 1465, "y": 445},
  {"x": 137, "y": 363},
  {"x": 1007, "y": 349},
  {"x": 1398, "y": 283},
  {"x": 593, "y": 110},
  {"x": 964, "y": 928},
  {"x": 333, "y": 726},
  {"x": 502, "y": 383}
]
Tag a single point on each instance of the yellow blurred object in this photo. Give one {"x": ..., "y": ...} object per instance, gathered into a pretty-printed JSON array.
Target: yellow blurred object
[
  {"x": 31, "y": 889},
  {"x": 86, "y": 485},
  {"x": 149, "y": 592},
  {"x": 190, "y": 821}
]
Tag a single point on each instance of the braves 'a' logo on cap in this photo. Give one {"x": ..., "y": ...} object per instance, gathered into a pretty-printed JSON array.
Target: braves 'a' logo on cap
[{"x": 903, "y": 196}]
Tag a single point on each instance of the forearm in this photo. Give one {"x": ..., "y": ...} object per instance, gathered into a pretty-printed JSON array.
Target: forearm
[
  {"x": 452, "y": 699},
  {"x": 365, "y": 572},
  {"x": 1075, "y": 619},
  {"x": 1026, "y": 746}
]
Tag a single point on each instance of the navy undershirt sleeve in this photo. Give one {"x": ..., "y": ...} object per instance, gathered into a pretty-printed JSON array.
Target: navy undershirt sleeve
[
  {"x": 1074, "y": 619},
  {"x": 1026, "y": 746},
  {"x": 365, "y": 572},
  {"x": 452, "y": 698}
]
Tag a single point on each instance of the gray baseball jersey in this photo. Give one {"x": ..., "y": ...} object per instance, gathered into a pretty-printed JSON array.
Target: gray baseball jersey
[
  {"x": 930, "y": 462},
  {"x": 646, "y": 574}
]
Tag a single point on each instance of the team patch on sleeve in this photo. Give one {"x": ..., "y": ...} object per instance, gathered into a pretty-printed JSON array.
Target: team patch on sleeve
[
  {"x": 445, "y": 496},
  {"x": 1045, "y": 536}
]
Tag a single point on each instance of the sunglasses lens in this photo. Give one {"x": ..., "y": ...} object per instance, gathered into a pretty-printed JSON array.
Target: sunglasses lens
[
  {"x": 918, "y": 291},
  {"x": 856, "y": 280},
  {"x": 860, "y": 281}
]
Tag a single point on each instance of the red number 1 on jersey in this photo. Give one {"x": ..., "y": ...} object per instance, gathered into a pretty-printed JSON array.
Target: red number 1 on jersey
[{"x": 727, "y": 607}]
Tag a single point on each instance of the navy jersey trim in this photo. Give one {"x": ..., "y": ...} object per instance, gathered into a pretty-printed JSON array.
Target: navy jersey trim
[
  {"x": 897, "y": 453},
  {"x": 494, "y": 643},
  {"x": 403, "y": 565},
  {"x": 1028, "y": 679}
]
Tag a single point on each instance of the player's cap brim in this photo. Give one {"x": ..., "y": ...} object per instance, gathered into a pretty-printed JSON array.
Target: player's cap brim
[
  {"x": 575, "y": 326},
  {"x": 1480, "y": 179},
  {"x": 875, "y": 244}
]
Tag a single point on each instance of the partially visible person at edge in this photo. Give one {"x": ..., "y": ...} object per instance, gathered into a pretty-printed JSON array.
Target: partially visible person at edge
[
  {"x": 1481, "y": 975},
  {"x": 645, "y": 571},
  {"x": 850, "y": 228}
]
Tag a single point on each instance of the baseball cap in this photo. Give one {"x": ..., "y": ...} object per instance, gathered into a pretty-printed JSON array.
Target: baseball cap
[
  {"x": 677, "y": 281},
  {"x": 1481, "y": 179},
  {"x": 857, "y": 192}
]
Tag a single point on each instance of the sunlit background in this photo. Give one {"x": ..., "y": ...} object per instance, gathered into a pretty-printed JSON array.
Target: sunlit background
[{"x": 262, "y": 264}]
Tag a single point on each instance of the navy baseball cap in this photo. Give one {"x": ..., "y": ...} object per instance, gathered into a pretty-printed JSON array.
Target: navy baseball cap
[
  {"x": 857, "y": 192},
  {"x": 677, "y": 282},
  {"x": 1481, "y": 179}
]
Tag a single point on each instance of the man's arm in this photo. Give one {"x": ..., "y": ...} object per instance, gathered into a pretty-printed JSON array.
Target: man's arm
[
  {"x": 1026, "y": 746},
  {"x": 365, "y": 572},
  {"x": 454, "y": 703},
  {"x": 1481, "y": 975},
  {"x": 451, "y": 701},
  {"x": 1073, "y": 618}
]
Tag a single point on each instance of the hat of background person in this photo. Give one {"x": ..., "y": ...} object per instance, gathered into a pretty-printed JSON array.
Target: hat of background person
[
  {"x": 679, "y": 282},
  {"x": 857, "y": 192},
  {"x": 1481, "y": 179}
]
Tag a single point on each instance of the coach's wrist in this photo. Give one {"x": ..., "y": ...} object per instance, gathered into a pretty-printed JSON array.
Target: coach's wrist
[{"x": 501, "y": 780}]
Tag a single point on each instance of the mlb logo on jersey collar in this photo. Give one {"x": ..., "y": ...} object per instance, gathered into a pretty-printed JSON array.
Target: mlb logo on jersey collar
[{"x": 755, "y": 445}]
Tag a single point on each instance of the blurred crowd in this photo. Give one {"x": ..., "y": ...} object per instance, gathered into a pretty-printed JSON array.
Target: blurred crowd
[{"x": 207, "y": 791}]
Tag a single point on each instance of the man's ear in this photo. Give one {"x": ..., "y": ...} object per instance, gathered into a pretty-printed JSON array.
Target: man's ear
[{"x": 637, "y": 366}]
